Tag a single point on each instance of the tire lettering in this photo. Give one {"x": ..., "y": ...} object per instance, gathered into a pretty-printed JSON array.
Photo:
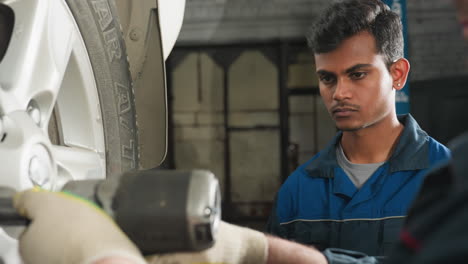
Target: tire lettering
[
  {"x": 123, "y": 104},
  {"x": 123, "y": 98},
  {"x": 128, "y": 152},
  {"x": 124, "y": 123},
  {"x": 105, "y": 18},
  {"x": 124, "y": 107},
  {"x": 102, "y": 9},
  {"x": 112, "y": 44}
]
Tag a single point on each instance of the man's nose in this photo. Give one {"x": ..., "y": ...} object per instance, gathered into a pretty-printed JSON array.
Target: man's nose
[{"x": 342, "y": 90}]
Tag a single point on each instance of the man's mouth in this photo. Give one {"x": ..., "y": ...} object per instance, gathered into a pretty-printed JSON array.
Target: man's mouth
[{"x": 343, "y": 111}]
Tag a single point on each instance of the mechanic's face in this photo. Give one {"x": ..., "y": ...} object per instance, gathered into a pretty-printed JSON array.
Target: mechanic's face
[
  {"x": 462, "y": 15},
  {"x": 355, "y": 84}
]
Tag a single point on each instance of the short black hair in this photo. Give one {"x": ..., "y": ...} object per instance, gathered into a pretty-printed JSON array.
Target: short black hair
[{"x": 347, "y": 18}]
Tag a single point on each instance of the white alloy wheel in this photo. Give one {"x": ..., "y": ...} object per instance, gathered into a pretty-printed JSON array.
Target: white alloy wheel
[{"x": 66, "y": 103}]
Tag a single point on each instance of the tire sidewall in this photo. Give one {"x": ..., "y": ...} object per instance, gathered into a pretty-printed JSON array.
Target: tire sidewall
[{"x": 102, "y": 35}]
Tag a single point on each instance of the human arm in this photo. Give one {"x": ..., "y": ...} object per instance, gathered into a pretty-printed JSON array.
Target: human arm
[
  {"x": 65, "y": 229},
  {"x": 68, "y": 230},
  {"x": 114, "y": 260},
  {"x": 281, "y": 251},
  {"x": 237, "y": 244}
]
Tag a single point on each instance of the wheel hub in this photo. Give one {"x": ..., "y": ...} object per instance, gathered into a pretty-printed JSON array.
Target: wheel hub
[{"x": 26, "y": 149}]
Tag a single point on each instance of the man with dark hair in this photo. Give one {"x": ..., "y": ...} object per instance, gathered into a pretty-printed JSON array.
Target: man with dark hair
[{"x": 355, "y": 193}]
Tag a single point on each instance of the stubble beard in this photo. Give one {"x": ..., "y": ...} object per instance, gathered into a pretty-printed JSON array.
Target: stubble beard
[{"x": 353, "y": 128}]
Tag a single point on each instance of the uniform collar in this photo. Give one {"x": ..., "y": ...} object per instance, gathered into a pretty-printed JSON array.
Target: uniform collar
[{"x": 411, "y": 152}]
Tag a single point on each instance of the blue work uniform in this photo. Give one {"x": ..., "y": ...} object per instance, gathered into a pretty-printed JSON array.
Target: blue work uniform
[{"x": 319, "y": 205}]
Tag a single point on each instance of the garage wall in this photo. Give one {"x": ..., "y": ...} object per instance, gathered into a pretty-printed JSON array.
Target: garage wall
[
  {"x": 436, "y": 47},
  {"x": 246, "y": 139},
  {"x": 432, "y": 28}
]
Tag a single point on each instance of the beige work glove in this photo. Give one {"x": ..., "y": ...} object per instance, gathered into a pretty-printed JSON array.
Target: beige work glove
[
  {"x": 66, "y": 229},
  {"x": 234, "y": 244}
]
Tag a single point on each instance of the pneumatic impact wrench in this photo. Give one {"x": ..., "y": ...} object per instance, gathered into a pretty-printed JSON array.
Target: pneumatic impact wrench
[{"x": 160, "y": 210}]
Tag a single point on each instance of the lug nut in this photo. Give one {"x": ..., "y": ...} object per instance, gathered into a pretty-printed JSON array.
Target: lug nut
[
  {"x": 38, "y": 171},
  {"x": 40, "y": 166}
]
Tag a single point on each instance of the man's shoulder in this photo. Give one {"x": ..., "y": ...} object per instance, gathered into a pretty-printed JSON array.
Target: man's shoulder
[
  {"x": 420, "y": 143},
  {"x": 301, "y": 170},
  {"x": 301, "y": 175},
  {"x": 437, "y": 151},
  {"x": 309, "y": 162}
]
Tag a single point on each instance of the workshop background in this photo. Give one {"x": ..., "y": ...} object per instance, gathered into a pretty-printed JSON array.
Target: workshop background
[{"x": 244, "y": 101}]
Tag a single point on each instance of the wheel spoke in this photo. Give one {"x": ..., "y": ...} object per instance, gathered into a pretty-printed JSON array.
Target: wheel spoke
[
  {"x": 38, "y": 55},
  {"x": 76, "y": 163}
]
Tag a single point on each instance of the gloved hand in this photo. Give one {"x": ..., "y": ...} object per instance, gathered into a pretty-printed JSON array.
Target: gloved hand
[
  {"x": 234, "y": 245},
  {"x": 68, "y": 229}
]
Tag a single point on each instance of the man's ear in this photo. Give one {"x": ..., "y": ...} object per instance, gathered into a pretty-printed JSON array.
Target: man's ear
[{"x": 399, "y": 71}]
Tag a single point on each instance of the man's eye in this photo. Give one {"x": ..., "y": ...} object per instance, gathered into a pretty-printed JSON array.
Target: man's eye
[
  {"x": 358, "y": 75},
  {"x": 327, "y": 79}
]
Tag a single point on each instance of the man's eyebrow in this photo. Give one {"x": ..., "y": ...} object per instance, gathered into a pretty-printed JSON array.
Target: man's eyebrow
[
  {"x": 357, "y": 67},
  {"x": 349, "y": 70},
  {"x": 324, "y": 72}
]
